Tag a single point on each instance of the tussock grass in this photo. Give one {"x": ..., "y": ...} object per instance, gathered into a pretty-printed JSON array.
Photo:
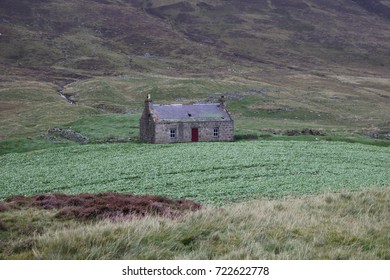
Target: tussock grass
[{"x": 328, "y": 226}]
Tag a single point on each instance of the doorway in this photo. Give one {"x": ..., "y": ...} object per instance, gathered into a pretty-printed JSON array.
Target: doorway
[{"x": 194, "y": 134}]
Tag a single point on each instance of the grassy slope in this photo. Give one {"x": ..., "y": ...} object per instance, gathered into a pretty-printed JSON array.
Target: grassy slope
[
  {"x": 192, "y": 35},
  {"x": 293, "y": 33},
  {"x": 330, "y": 226},
  {"x": 340, "y": 106}
]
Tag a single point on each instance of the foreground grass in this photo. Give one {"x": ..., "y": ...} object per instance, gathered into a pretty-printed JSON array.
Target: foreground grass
[{"x": 328, "y": 226}]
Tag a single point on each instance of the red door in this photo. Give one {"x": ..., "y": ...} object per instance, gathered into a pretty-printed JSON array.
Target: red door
[{"x": 194, "y": 135}]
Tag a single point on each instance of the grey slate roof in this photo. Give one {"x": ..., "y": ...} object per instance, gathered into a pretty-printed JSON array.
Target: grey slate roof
[{"x": 188, "y": 113}]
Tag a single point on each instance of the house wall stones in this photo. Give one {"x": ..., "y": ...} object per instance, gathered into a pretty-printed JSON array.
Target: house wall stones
[
  {"x": 185, "y": 123},
  {"x": 184, "y": 131}
]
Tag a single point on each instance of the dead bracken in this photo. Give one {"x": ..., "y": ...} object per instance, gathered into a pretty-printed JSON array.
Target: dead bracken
[{"x": 102, "y": 205}]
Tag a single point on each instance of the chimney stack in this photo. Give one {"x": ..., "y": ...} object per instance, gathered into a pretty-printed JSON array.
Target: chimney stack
[
  {"x": 148, "y": 104},
  {"x": 222, "y": 102}
]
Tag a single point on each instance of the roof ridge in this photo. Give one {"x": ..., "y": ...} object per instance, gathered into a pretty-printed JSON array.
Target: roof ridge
[{"x": 190, "y": 112}]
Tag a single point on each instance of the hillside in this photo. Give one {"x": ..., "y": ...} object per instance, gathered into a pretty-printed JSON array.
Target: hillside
[
  {"x": 193, "y": 36},
  {"x": 283, "y": 65}
]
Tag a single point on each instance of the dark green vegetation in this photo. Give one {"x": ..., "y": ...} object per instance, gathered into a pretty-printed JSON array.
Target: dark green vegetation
[
  {"x": 210, "y": 173},
  {"x": 285, "y": 67}
]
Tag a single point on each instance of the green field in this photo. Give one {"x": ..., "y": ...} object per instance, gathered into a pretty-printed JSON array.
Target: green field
[{"x": 211, "y": 173}]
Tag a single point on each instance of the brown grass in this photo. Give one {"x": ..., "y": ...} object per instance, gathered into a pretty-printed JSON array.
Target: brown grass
[
  {"x": 329, "y": 226},
  {"x": 103, "y": 205}
]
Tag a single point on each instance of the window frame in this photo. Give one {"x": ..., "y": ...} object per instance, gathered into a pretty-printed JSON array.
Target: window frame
[
  {"x": 216, "y": 132},
  {"x": 172, "y": 133}
]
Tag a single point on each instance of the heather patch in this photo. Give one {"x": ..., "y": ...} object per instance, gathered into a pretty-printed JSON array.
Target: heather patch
[{"x": 103, "y": 205}]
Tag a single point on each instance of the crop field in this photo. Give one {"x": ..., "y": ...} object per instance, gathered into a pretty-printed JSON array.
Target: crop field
[{"x": 210, "y": 173}]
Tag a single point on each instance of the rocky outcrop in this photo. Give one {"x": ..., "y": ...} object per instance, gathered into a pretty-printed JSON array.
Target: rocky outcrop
[
  {"x": 378, "y": 135},
  {"x": 69, "y": 134},
  {"x": 306, "y": 131}
]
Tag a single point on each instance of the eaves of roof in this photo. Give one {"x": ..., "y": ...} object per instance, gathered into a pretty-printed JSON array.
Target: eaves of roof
[{"x": 190, "y": 113}]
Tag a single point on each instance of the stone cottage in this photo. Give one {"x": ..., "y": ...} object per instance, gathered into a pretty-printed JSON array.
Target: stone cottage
[{"x": 186, "y": 123}]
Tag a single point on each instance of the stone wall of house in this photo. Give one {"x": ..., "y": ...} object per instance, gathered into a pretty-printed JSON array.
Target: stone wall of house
[
  {"x": 147, "y": 125},
  {"x": 184, "y": 131},
  {"x": 143, "y": 128}
]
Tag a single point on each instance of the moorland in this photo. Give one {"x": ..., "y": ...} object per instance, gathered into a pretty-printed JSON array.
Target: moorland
[{"x": 306, "y": 81}]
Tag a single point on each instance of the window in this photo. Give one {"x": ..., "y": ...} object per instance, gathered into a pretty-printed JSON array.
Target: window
[
  {"x": 172, "y": 133},
  {"x": 216, "y": 131}
]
